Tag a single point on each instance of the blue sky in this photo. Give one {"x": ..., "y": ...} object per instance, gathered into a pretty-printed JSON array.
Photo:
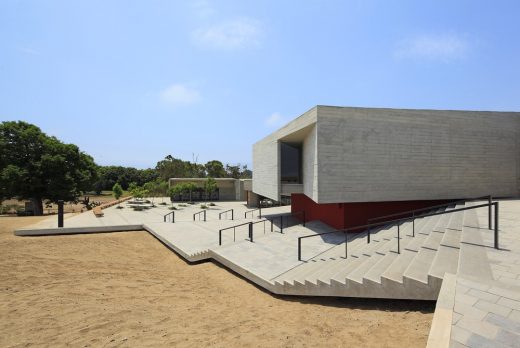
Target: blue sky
[{"x": 133, "y": 81}]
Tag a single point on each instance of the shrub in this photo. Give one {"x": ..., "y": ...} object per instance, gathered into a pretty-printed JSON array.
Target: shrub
[
  {"x": 212, "y": 204},
  {"x": 203, "y": 206},
  {"x": 172, "y": 208}
]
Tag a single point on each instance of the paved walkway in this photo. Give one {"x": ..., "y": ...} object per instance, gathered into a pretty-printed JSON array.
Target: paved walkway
[{"x": 484, "y": 309}]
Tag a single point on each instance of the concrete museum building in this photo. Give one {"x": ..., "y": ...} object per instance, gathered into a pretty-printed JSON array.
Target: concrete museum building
[{"x": 344, "y": 165}]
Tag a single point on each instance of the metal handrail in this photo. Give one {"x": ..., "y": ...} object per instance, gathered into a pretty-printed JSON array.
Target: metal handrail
[
  {"x": 225, "y": 212},
  {"x": 243, "y": 224},
  {"x": 228, "y": 228},
  {"x": 172, "y": 213},
  {"x": 398, "y": 221},
  {"x": 281, "y": 216},
  {"x": 198, "y": 213},
  {"x": 488, "y": 197},
  {"x": 251, "y": 211}
]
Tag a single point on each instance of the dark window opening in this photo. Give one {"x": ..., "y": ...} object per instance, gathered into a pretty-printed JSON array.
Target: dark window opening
[{"x": 291, "y": 163}]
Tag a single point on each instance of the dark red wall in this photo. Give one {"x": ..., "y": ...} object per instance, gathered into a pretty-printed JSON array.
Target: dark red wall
[
  {"x": 345, "y": 215},
  {"x": 331, "y": 214}
]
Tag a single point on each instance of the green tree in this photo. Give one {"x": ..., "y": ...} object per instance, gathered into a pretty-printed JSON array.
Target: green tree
[
  {"x": 210, "y": 186},
  {"x": 176, "y": 190},
  {"x": 117, "y": 191},
  {"x": 190, "y": 187},
  {"x": 215, "y": 169},
  {"x": 151, "y": 188},
  {"x": 137, "y": 191},
  {"x": 162, "y": 188},
  {"x": 246, "y": 173},
  {"x": 36, "y": 166},
  {"x": 233, "y": 171}
]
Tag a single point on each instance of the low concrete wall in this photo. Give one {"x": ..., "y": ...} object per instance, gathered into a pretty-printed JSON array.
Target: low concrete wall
[{"x": 77, "y": 230}]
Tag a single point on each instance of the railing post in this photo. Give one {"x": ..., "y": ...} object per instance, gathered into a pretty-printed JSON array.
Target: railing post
[
  {"x": 368, "y": 236},
  {"x": 489, "y": 212},
  {"x": 260, "y": 211},
  {"x": 398, "y": 239},
  {"x": 281, "y": 224},
  {"x": 204, "y": 216},
  {"x": 220, "y": 216},
  {"x": 346, "y": 244},
  {"x": 245, "y": 214},
  {"x": 304, "y": 218},
  {"x": 164, "y": 218},
  {"x": 173, "y": 217},
  {"x": 193, "y": 217},
  {"x": 271, "y": 225},
  {"x": 251, "y": 232},
  {"x": 496, "y": 225},
  {"x": 219, "y": 237},
  {"x": 232, "y": 214},
  {"x": 413, "y": 226},
  {"x": 299, "y": 247}
]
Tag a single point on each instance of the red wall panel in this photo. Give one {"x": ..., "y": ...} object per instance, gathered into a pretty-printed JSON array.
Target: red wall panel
[
  {"x": 345, "y": 215},
  {"x": 331, "y": 214}
]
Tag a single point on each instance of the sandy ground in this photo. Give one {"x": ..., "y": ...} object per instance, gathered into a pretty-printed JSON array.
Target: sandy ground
[
  {"x": 69, "y": 207},
  {"x": 127, "y": 289}
]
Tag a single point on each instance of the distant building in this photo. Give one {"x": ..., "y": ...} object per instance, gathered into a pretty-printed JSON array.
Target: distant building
[
  {"x": 228, "y": 189},
  {"x": 343, "y": 165}
]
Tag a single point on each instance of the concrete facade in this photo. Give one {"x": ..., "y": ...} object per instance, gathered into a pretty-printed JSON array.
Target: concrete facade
[{"x": 381, "y": 155}]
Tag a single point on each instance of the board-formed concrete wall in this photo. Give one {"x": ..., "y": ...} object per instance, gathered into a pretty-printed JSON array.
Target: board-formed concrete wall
[
  {"x": 266, "y": 154},
  {"x": 371, "y": 155},
  {"x": 310, "y": 165},
  {"x": 375, "y": 155}
]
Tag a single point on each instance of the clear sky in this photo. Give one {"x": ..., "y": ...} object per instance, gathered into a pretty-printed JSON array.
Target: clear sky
[{"x": 133, "y": 81}]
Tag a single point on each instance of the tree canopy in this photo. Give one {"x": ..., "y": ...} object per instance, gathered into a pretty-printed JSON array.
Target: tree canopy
[
  {"x": 36, "y": 166},
  {"x": 108, "y": 176},
  {"x": 171, "y": 167}
]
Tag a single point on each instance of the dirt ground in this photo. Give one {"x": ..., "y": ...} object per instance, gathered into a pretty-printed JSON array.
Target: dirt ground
[
  {"x": 69, "y": 207},
  {"x": 127, "y": 289}
]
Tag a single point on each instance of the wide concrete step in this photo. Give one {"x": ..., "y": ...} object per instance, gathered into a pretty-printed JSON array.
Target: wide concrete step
[
  {"x": 358, "y": 250},
  {"x": 358, "y": 255},
  {"x": 324, "y": 261},
  {"x": 342, "y": 264},
  {"x": 392, "y": 266},
  {"x": 420, "y": 265},
  {"x": 447, "y": 256},
  {"x": 473, "y": 259},
  {"x": 370, "y": 256},
  {"x": 398, "y": 267},
  {"x": 422, "y": 233}
]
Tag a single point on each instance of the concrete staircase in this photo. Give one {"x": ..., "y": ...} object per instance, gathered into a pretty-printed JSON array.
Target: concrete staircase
[{"x": 376, "y": 269}]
